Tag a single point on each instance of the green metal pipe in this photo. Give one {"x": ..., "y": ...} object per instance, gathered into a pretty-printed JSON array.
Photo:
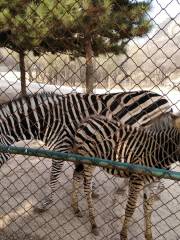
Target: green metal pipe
[{"x": 133, "y": 168}]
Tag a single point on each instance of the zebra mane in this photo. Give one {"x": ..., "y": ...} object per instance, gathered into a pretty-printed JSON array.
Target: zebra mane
[
  {"x": 2, "y": 105},
  {"x": 162, "y": 122},
  {"x": 42, "y": 94}
]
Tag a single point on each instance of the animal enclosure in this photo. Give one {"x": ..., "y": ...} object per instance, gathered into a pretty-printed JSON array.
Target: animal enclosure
[{"x": 125, "y": 55}]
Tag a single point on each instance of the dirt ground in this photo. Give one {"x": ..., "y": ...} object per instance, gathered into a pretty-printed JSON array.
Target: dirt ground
[{"x": 24, "y": 183}]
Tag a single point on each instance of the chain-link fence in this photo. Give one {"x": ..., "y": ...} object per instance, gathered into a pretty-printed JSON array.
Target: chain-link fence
[{"x": 82, "y": 46}]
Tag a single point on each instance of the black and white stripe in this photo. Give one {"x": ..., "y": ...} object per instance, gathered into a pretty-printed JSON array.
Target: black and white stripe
[
  {"x": 109, "y": 139},
  {"x": 54, "y": 118}
]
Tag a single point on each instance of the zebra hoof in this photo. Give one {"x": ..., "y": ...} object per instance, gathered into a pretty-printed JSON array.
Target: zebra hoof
[
  {"x": 123, "y": 236},
  {"x": 95, "y": 195},
  {"x": 46, "y": 204},
  {"x": 78, "y": 213},
  {"x": 120, "y": 191},
  {"x": 95, "y": 230},
  {"x": 39, "y": 210},
  {"x": 148, "y": 237}
]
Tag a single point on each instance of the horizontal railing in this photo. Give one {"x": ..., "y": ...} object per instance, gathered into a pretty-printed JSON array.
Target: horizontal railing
[{"x": 133, "y": 168}]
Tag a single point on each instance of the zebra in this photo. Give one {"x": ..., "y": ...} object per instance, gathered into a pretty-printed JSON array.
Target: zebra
[
  {"x": 110, "y": 139},
  {"x": 54, "y": 118}
]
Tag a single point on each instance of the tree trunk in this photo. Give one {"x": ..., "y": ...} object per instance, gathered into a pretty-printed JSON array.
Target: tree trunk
[
  {"x": 89, "y": 66},
  {"x": 23, "y": 72}
]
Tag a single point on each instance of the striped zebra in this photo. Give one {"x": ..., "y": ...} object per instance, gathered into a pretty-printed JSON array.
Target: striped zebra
[
  {"x": 109, "y": 139},
  {"x": 54, "y": 119}
]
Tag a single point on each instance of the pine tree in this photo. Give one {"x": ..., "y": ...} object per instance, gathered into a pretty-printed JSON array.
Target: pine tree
[
  {"x": 91, "y": 27},
  {"x": 21, "y": 29},
  {"x": 85, "y": 28}
]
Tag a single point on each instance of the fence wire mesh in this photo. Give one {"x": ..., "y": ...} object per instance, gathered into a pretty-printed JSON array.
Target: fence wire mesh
[{"x": 81, "y": 46}]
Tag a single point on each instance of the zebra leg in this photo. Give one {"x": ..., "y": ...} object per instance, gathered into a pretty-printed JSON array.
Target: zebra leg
[
  {"x": 79, "y": 170},
  {"x": 48, "y": 200},
  {"x": 135, "y": 186},
  {"x": 88, "y": 174},
  {"x": 76, "y": 185},
  {"x": 148, "y": 202}
]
